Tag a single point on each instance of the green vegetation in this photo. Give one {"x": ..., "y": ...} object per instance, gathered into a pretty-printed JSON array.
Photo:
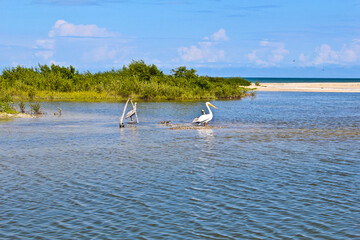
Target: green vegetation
[
  {"x": 22, "y": 107},
  {"x": 35, "y": 108},
  {"x": 6, "y": 103},
  {"x": 137, "y": 80}
]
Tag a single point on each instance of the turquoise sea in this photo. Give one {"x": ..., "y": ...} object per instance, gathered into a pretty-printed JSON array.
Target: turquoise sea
[{"x": 282, "y": 165}]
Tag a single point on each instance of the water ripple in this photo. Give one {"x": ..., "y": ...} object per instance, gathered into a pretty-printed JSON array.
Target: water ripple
[{"x": 274, "y": 171}]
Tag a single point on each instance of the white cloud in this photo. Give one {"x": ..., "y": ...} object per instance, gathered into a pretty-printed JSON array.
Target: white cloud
[
  {"x": 106, "y": 52},
  {"x": 270, "y": 53},
  {"x": 254, "y": 58},
  {"x": 189, "y": 54},
  {"x": 303, "y": 58},
  {"x": 45, "y": 54},
  {"x": 206, "y": 50},
  {"x": 65, "y": 29},
  {"x": 100, "y": 54},
  {"x": 348, "y": 54},
  {"x": 58, "y": 63},
  {"x": 45, "y": 43},
  {"x": 45, "y": 48},
  {"x": 91, "y": 43},
  {"x": 219, "y": 36},
  {"x": 325, "y": 55}
]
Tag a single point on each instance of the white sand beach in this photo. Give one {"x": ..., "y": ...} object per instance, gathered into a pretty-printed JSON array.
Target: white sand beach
[{"x": 309, "y": 87}]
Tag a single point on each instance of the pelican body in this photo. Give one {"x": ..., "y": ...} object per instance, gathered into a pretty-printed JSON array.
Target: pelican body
[{"x": 205, "y": 118}]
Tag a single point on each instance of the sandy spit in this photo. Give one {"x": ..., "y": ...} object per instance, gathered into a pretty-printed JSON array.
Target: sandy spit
[{"x": 309, "y": 87}]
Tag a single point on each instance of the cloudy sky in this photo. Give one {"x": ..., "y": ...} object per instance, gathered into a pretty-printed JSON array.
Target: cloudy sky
[{"x": 248, "y": 38}]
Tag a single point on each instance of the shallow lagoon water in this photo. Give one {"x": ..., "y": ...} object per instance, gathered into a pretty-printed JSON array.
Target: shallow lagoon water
[{"x": 283, "y": 165}]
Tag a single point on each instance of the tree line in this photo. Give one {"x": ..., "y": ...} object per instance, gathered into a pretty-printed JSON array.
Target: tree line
[{"x": 137, "y": 80}]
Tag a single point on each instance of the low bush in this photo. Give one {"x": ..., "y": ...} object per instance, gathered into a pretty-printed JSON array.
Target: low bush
[
  {"x": 35, "y": 108},
  {"x": 22, "y": 107}
]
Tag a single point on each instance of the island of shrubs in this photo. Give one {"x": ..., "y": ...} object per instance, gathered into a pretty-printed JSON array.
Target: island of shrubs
[{"x": 136, "y": 80}]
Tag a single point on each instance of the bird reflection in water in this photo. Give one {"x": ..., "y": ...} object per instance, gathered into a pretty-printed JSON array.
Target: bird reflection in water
[
  {"x": 208, "y": 137},
  {"x": 206, "y": 133}
]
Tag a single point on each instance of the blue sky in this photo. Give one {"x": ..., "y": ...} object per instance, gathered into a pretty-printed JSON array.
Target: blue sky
[{"x": 248, "y": 38}]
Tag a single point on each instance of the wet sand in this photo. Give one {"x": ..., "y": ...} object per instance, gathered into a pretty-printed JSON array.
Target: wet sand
[
  {"x": 309, "y": 87},
  {"x": 16, "y": 115}
]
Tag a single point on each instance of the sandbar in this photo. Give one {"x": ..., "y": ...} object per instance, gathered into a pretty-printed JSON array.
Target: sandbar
[
  {"x": 352, "y": 87},
  {"x": 192, "y": 127},
  {"x": 16, "y": 115}
]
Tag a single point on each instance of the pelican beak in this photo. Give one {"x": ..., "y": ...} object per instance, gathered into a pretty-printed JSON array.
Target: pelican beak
[{"x": 212, "y": 106}]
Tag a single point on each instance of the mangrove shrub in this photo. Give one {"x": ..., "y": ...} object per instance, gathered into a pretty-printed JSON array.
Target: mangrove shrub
[{"x": 137, "y": 79}]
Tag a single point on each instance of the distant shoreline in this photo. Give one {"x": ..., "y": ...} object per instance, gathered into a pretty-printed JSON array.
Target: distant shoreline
[
  {"x": 300, "y": 80},
  {"x": 351, "y": 87}
]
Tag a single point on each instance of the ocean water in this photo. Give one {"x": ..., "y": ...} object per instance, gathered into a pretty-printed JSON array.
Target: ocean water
[
  {"x": 280, "y": 166},
  {"x": 302, "y": 80}
]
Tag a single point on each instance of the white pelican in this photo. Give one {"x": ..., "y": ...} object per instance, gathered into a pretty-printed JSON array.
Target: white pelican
[
  {"x": 205, "y": 118},
  {"x": 130, "y": 114}
]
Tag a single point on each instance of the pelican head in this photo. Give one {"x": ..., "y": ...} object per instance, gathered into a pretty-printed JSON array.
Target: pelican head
[{"x": 209, "y": 104}]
